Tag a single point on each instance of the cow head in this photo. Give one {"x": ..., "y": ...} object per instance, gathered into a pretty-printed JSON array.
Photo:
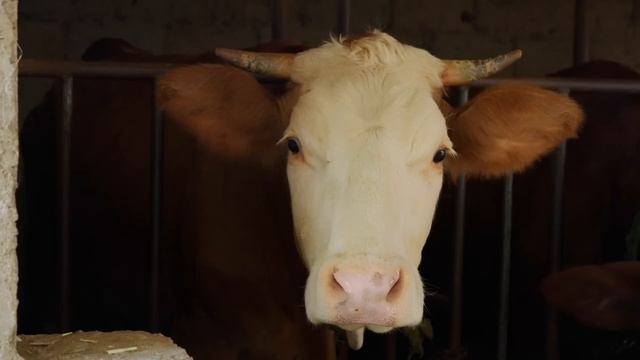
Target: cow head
[{"x": 369, "y": 139}]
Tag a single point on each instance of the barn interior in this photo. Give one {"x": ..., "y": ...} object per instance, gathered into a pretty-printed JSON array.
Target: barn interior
[{"x": 97, "y": 250}]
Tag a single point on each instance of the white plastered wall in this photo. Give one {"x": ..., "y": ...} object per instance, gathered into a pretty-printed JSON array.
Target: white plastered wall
[{"x": 8, "y": 175}]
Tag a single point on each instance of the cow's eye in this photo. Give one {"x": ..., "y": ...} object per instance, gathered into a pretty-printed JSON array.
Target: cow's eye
[
  {"x": 294, "y": 145},
  {"x": 439, "y": 155}
]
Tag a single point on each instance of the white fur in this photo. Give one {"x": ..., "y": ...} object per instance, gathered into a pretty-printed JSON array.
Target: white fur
[{"x": 364, "y": 185}]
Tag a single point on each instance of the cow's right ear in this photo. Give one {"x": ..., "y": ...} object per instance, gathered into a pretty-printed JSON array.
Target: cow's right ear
[
  {"x": 507, "y": 127},
  {"x": 224, "y": 108}
]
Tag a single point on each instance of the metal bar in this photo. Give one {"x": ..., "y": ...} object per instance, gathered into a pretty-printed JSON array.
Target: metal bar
[
  {"x": 62, "y": 68},
  {"x": 392, "y": 346},
  {"x": 606, "y": 85},
  {"x": 558, "y": 188},
  {"x": 344, "y": 15},
  {"x": 505, "y": 271},
  {"x": 458, "y": 252},
  {"x": 64, "y": 160},
  {"x": 580, "y": 34},
  {"x": 555, "y": 249},
  {"x": 157, "y": 166},
  {"x": 277, "y": 19}
]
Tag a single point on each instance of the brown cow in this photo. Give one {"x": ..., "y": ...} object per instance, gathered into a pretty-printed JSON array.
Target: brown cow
[
  {"x": 367, "y": 142},
  {"x": 241, "y": 294}
]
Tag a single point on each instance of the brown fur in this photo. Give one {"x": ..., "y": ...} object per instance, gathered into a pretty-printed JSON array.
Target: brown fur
[
  {"x": 605, "y": 296},
  {"x": 226, "y": 109},
  {"x": 507, "y": 127}
]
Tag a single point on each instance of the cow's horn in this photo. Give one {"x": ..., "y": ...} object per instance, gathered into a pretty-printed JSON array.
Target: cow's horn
[
  {"x": 270, "y": 64},
  {"x": 459, "y": 72}
]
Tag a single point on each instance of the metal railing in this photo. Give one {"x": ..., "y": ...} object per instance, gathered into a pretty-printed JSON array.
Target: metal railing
[
  {"x": 65, "y": 72},
  {"x": 565, "y": 86}
]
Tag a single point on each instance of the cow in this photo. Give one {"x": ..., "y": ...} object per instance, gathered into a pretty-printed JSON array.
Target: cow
[{"x": 370, "y": 137}]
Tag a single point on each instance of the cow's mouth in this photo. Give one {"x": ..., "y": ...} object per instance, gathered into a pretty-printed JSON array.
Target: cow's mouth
[
  {"x": 376, "y": 328},
  {"x": 377, "y": 316}
]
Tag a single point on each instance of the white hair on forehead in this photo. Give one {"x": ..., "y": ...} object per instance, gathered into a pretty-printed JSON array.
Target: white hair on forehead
[{"x": 375, "y": 50}]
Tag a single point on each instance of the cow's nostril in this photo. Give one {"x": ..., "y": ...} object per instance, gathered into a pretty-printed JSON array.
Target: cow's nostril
[
  {"x": 396, "y": 287},
  {"x": 334, "y": 284},
  {"x": 383, "y": 286}
]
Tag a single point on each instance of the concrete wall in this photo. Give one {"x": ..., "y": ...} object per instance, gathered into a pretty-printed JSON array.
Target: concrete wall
[
  {"x": 448, "y": 28},
  {"x": 8, "y": 174}
]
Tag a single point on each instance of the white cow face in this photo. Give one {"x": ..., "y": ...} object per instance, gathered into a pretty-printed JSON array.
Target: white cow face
[{"x": 367, "y": 143}]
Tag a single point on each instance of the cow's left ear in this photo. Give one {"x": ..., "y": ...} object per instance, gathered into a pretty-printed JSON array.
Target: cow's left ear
[{"x": 507, "y": 127}]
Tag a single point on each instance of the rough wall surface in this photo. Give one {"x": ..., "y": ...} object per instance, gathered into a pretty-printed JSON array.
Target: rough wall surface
[
  {"x": 8, "y": 173},
  {"x": 474, "y": 28},
  {"x": 448, "y": 28}
]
